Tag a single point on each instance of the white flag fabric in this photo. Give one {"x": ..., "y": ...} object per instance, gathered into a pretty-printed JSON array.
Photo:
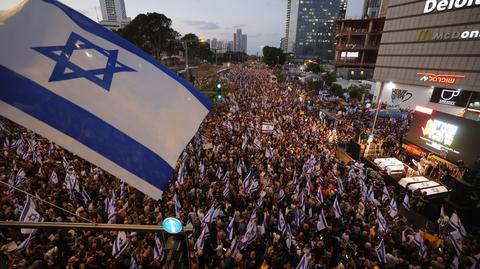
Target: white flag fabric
[
  {"x": 120, "y": 244},
  {"x": 303, "y": 264},
  {"x": 29, "y": 214},
  {"x": 322, "y": 222},
  {"x": 82, "y": 86},
  {"x": 336, "y": 208},
  {"x": 54, "y": 177},
  {"x": 158, "y": 252}
]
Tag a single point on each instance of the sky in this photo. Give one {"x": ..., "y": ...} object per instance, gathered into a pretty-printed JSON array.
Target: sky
[{"x": 262, "y": 20}]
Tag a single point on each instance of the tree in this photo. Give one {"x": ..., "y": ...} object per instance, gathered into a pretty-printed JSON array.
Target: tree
[
  {"x": 278, "y": 72},
  {"x": 314, "y": 68},
  {"x": 273, "y": 56},
  {"x": 197, "y": 49},
  {"x": 329, "y": 78},
  {"x": 152, "y": 32}
]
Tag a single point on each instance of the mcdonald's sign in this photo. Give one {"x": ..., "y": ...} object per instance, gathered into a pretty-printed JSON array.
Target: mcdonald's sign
[{"x": 424, "y": 35}]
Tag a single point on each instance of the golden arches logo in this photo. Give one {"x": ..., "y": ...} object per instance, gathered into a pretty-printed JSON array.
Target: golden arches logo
[{"x": 424, "y": 35}]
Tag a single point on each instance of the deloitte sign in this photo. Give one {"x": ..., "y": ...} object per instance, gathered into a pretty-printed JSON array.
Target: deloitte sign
[{"x": 442, "y": 5}]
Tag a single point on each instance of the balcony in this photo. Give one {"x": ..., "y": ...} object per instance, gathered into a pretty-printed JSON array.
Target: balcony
[
  {"x": 346, "y": 63},
  {"x": 356, "y": 47}
]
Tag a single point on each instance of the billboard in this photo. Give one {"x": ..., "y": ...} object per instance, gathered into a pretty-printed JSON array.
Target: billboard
[
  {"x": 449, "y": 136},
  {"x": 452, "y": 97}
]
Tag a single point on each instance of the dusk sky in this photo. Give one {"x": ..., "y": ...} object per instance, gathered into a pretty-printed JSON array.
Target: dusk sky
[{"x": 262, "y": 20}]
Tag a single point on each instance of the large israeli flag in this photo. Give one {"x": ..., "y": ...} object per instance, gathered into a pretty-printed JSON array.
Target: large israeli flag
[{"x": 82, "y": 86}]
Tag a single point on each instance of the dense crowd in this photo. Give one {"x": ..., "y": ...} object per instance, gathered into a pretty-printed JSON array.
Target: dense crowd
[{"x": 255, "y": 197}]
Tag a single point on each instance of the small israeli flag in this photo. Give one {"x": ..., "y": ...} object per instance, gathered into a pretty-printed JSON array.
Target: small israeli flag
[
  {"x": 443, "y": 219},
  {"x": 406, "y": 202},
  {"x": 382, "y": 223},
  {"x": 281, "y": 195},
  {"x": 456, "y": 244},
  {"x": 230, "y": 229},
  {"x": 381, "y": 254},
  {"x": 423, "y": 249},
  {"x": 27, "y": 241},
  {"x": 289, "y": 237},
  {"x": 158, "y": 251},
  {"x": 120, "y": 244},
  {"x": 341, "y": 190},
  {"x": 282, "y": 227},
  {"x": 386, "y": 195},
  {"x": 133, "y": 263},
  {"x": 393, "y": 209},
  {"x": 370, "y": 194},
  {"x": 319, "y": 196},
  {"x": 219, "y": 172},
  {"x": 211, "y": 215},
  {"x": 201, "y": 239},
  {"x": 95, "y": 94},
  {"x": 29, "y": 214},
  {"x": 178, "y": 206},
  {"x": 303, "y": 264},
  {"x": 322, "y": 221},
  {"x": 226, "y": 190},
  {"x": 336, "y": 208},
  {"x": 457, "y": 224}
]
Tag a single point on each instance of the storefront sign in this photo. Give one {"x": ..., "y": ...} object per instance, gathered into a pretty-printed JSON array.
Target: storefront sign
[
  {"x": 427, "y": 35},
  {"x": 399, "y": 96},
  {"x": 452, "y": 97},
  {"x": 439, "y": 78},
  {"x": 442, "y": 5}
]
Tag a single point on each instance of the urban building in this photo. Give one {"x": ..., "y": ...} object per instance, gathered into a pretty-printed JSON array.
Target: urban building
[
  {"x": 239, "y": 41},
  {"x": 114, "y": 14},
  {"x": 429, "y": 55},
  {"x": 310, "y": 29},
  {"x": 358, "y": 39},
  {"x": 283, "y": 44},
  {"x": 230, "y": 45}
]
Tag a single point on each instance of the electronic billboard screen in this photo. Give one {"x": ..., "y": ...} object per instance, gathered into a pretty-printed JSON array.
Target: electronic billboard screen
[{"x": 449, "y": 136}]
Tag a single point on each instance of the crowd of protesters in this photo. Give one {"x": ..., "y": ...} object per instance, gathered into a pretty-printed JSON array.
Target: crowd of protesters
[{"x": 255, "y": 196}]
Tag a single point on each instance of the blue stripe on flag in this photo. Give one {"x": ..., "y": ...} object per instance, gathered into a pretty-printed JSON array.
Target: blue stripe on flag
[
  {"x": 96, "y": 29},
  {"x": 84, "y": 127}
]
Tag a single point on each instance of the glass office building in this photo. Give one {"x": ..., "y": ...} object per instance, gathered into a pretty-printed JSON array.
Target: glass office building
[{"x": 310, "y": 30}]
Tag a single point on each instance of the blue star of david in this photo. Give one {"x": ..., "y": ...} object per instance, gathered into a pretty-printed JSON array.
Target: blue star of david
[
  {"x": 61, "y": 55},
  {"x": 32, "y": 217}
]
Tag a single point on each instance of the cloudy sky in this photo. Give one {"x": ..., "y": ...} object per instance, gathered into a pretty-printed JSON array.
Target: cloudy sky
[{"x": 262, "y": 20}]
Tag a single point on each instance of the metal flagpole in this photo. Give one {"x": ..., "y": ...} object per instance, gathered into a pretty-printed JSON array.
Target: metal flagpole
[
  {"x": 379, "y": 105},
  {"x": 86, "y": 226},
  {"x": 47, "y": 202}
]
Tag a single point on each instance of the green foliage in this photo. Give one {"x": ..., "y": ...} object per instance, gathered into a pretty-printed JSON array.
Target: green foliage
[
  {"x": 152, "y": 32},
  {"x": 314, "y": 85},
  {"x": 329, "y": 78},
  {"x": 273, "y": 56},
  {"x": 314, "y": 67},
  {"x": 356, "y": 92},
  {"x": 278, "y": 72},
  {"x": 197, "y": 49},
  {"x": 232, "y": 57}
]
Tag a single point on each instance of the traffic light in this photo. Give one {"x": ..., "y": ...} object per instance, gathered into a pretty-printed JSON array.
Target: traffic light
[{"x": 219, "y": 95}]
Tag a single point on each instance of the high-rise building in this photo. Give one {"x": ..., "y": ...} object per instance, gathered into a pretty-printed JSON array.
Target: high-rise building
[
  {"x": 310, "y": 28},
  {"x": 283, "y": 44},
  {"x": 114, "y": 14},
  {"x": 239, "y": 41},
  {"x": 358, "y": 39}
]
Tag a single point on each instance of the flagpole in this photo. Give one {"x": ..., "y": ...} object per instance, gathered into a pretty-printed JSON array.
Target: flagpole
[
  {"x": 86, "y": 226},
  {"x": 47, "y": 202}
]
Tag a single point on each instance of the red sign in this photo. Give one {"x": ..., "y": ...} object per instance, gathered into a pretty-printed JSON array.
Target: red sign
[{"x": 439, "y": 78}]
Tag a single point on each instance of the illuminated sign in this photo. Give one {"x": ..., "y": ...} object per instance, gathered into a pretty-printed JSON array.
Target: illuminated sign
[
  {"x": 172, "y": 225},
  {"x": 439, "y": 78},
  {"x": 442, "y": 5},
  {"x": 452, "y": 97},
  {"x": 440, "y": 132},
  {"x": 450, "y": 136},
  {"x": 427, "y": 35}
]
